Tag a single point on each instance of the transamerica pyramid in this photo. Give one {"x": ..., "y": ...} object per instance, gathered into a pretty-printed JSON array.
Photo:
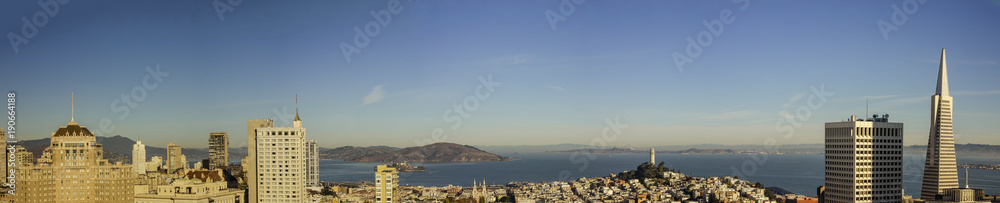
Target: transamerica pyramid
[{"x": 940, "y": 172}]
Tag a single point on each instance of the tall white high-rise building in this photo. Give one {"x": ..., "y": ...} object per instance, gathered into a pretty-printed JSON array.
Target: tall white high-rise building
[
  {"x": 279, "y": 163},
  {"x": 312, "y": 163},
  {"x": 139, "y": 157},
  {"x": 250, "y": 162},
  {"x": 864, "y": 161},
  {"x": 940, "y": 170}
]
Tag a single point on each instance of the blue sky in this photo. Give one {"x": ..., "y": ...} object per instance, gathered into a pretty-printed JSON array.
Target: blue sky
[{"x": 605, "y": 60}]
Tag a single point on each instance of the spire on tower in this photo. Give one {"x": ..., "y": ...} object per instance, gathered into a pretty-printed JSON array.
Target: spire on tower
[
  {"x": 297, "y": 108},
  {"x": 942, "y": 84}
]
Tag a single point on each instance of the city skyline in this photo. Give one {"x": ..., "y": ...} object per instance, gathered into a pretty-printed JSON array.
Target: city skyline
[{"x": 558, "y": 84}]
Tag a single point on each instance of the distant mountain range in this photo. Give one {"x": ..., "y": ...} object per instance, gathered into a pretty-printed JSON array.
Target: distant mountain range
[
  {"x": 563, "y": 148},
  {"x": 119, "y": 148},
  {"x": 961, "y": 149},
  {"x": 434, "y": 153}
]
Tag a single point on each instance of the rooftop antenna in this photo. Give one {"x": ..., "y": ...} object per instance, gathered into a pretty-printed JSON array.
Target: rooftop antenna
[
  {"x": 866, "y": 107},
  {"x": 72, "y": 111},
  {"x": 967, "y": 177}
]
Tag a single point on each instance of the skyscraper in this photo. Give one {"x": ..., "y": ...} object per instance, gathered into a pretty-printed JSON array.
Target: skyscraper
[
  {"x": 864, "y": 161},
  {"x": 279, "y": 163},
  {"x": 940, "y": 171},
  {"x": 174, "y": 161},
  {"x": 312, "y": 163},
  {"x": 218, "y": 150},
  {"x": 250, "y": 162},
  {"x": 139, "y": 157}
]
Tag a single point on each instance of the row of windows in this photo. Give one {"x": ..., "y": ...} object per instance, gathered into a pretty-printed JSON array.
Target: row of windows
[
  {"x": 284, "y": 198},
  {"x": 262, "y": 144},
  {"x": 286, "y": 182},
  {"x": 864, "y": 131},
  {"x": 282, "y": 189},
  {"x": 74, "y": 151},
  {"x": 278, "y": 174},
  {"x": 281, "y": 132}
]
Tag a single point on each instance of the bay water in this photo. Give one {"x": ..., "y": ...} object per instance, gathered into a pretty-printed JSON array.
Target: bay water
[{"x": 798, "y": 173}]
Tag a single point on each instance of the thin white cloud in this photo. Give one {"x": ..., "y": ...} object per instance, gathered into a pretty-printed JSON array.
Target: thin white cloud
[
  {"x": 376, "y": 95},
  {"x": 728, "y": 115},
  {"x": 556, "y": 88},
  {"x": 976, "y": 93}
]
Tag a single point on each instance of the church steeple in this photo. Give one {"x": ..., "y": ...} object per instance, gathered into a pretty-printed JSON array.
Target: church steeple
[{"x": 942, "y": 84}]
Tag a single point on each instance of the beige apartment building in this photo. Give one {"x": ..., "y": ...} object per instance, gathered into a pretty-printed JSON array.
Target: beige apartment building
[
  {"x": 250, "y": 162},
  {"x": 175, "y": 159},
  {"x": 195, "y": 187},
  {"x": 74, "y": 170},
  {"x": 385, "y": 184},
  {"x": 218, "y": 150}
]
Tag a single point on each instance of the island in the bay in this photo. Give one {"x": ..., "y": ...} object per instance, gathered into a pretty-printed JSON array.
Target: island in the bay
[
  {"x": 405, "y": 167},
  {"x": 616, "y": 150},
  {"x": 441, "y": 152}
]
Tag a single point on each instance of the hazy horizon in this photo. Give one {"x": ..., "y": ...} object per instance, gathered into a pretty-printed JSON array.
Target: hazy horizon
[{"x": 604, "y": 74}]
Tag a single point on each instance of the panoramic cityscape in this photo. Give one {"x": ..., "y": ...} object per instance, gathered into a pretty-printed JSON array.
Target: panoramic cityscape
[{"x": 501, "y": 101}]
